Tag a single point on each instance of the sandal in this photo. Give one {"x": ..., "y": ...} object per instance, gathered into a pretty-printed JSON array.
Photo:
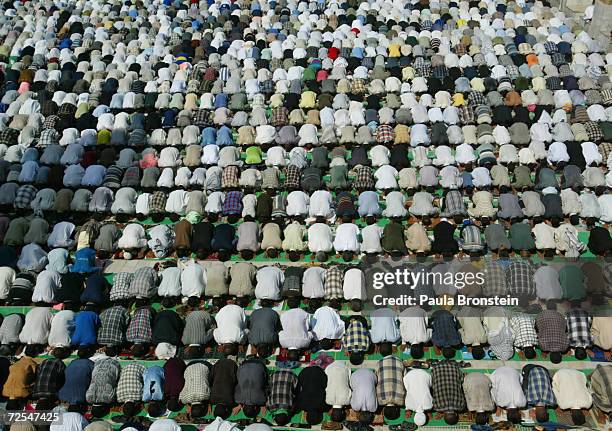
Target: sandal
[{"x": 331, "y": 425}]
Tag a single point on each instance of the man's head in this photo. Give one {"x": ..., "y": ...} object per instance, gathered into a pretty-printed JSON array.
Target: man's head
[
  {"x": 130, "y": 409},
  {"x": 448, "y": 352},
  {"x": 264, "y": 350},
  {"x": 223, "y": 411},
  {"x": 416, "y": 351},
  {"x": 293, "y": 354},
  {"x": 530, "y": 352},
  {"x": 198, "y": 410},
  {"x": 337, "y": 414},
  {"x": 61, "y": 352},
  {"x": 250, "y": 411},
  {"x": 478, "y": 352},
  {"x": 314, "y": 417},
  {"x": 580, "y": 353},
  {"x": 156, "y": 409},
  {"x": 356, "y": 358},
  {"x": 578, "y": 417},
  {"x": 100, "y": 410},
  {"x": 366, "y": 417},
  {"x": 356, "y": 305},
  {"x": 139, "y": 350},
  {"x": 174, "y": 405},
  {"x": 386, "y": 348},
  {"x": 391, "y": 412},
  {"x": 482, "y": 418},
  {"x": 514, "y": 415},
  {"x": 555, "y": 357},
  {"x": 230, "y": 349},
  {"x": 541, "y": 414},
  {"x": 281, "y": 418},
  {"x": 451, "y": 418}
]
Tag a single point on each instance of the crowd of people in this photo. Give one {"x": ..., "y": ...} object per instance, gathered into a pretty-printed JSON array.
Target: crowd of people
[{"x": 254, "y": 158}]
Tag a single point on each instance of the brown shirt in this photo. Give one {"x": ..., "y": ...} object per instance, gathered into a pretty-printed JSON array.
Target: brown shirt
[
  {"x": 22, "y": 375},
  {"x": 182, "y": 232}
]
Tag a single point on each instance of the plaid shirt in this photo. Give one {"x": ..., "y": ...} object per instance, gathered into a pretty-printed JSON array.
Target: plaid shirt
[
  {"x": 594, "y": 131},
  {"x": 113, "y": 323},
  {"x": 363, "y": 178},
  {"x": 356, "y": 337},
  {"x": 283, "y": 384},
  {"x": 103, "y": 385},
  {"x": 9, "y": 136},
  {"x": 579, "y": 328},
  {"x": 230, "y": 177},
  {"x": 358, "y": 86},
  {"x": 523, "y": 329},
  {"x": 476, "y": 98},
  {"x": 202, "y": 118},
  {"x": 334, "y": 279},
  {"x": 51, "y": 122},
  {"x": 390, "y": 387},
  {"x": 292, "y": 177},
  {"x": 385, "y": 133},
  {"x": 139, "y": 329},
  {"x": 466, "y": 114},
  {"x": 280, "y": 116},
  {"x": 121, "y": 286},
  {"x": 233, "y": 203},
  {"x": 49, "y": 378},
  {"x": 48, "y": 137},
  {"x": 538, "y": 386},
  {"x": 129, "y": 387},
  {"x": 519, "y": 278},
  {"x": 447, "y": 387},
  {"x": 552, "y": 335},
  {"x": 157, "y": 204},
  {"x": 24, "y": 196},
  {"x": 144, "y": 283},
  {"x": 495, "y": 278}
]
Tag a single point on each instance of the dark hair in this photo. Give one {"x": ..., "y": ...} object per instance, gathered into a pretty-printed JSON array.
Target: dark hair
[
  {"x": 366, "y": 417},
  {"x": 530, "y": 352},
  {"x": 130, "y": 409},
  {"x": 193, "y": 301},
  {"x": 478, "y": 352},
  {"x": 139, "y": 350},
  {"x": 61, "y": 352},
  {"x": 198, "y": 410},
  {"x": 448, "y": 352},
  {"x": 293, "y": 355},
  {"x": 337, "y": 414},
  {"x": 314, "y": 417},
  {"x": 174, "y": 405},
  {"x": 580, "y": 353},
  {"x": 156, "y": 409},
  {"x": 356, "y": 358},
  {"x": 281, "y": 419},
  {"x": 100, "y": 410},
  {"x": 391, "y": 412},
  {"x": 416, "y": 351},
  {"x": 386, "y": 348},
  {"x": 264, "y": 350},
  {"x": 578, "y": 417},
  {"x": 482, "y": 418},
  {"x": 32, "y": 350},
  {"x": 451, "y": 418},
  {"x": 541, "y": 414},
  {"x": 514, "y": 415},
  {"x": 223, "y": 411},
  {"x": 325, "y": 344},
  {"x": 556, "y": 357},
  {"x": 250, "y": 411}
]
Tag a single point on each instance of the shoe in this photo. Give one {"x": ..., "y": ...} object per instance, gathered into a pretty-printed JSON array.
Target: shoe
[{"x": 331, "y": 425}]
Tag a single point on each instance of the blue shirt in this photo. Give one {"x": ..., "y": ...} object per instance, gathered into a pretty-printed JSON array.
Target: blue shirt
[
  {"x": 84, "y": 261},
  {"x": 153, "y": 378},
  {"x": 85, "y": 329},
  {"x": 78, "y": 378},
  {"x": 209, "y": 136},
  {"x": 221, "y": 100},
  {"x": 224, "y": 136}
]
